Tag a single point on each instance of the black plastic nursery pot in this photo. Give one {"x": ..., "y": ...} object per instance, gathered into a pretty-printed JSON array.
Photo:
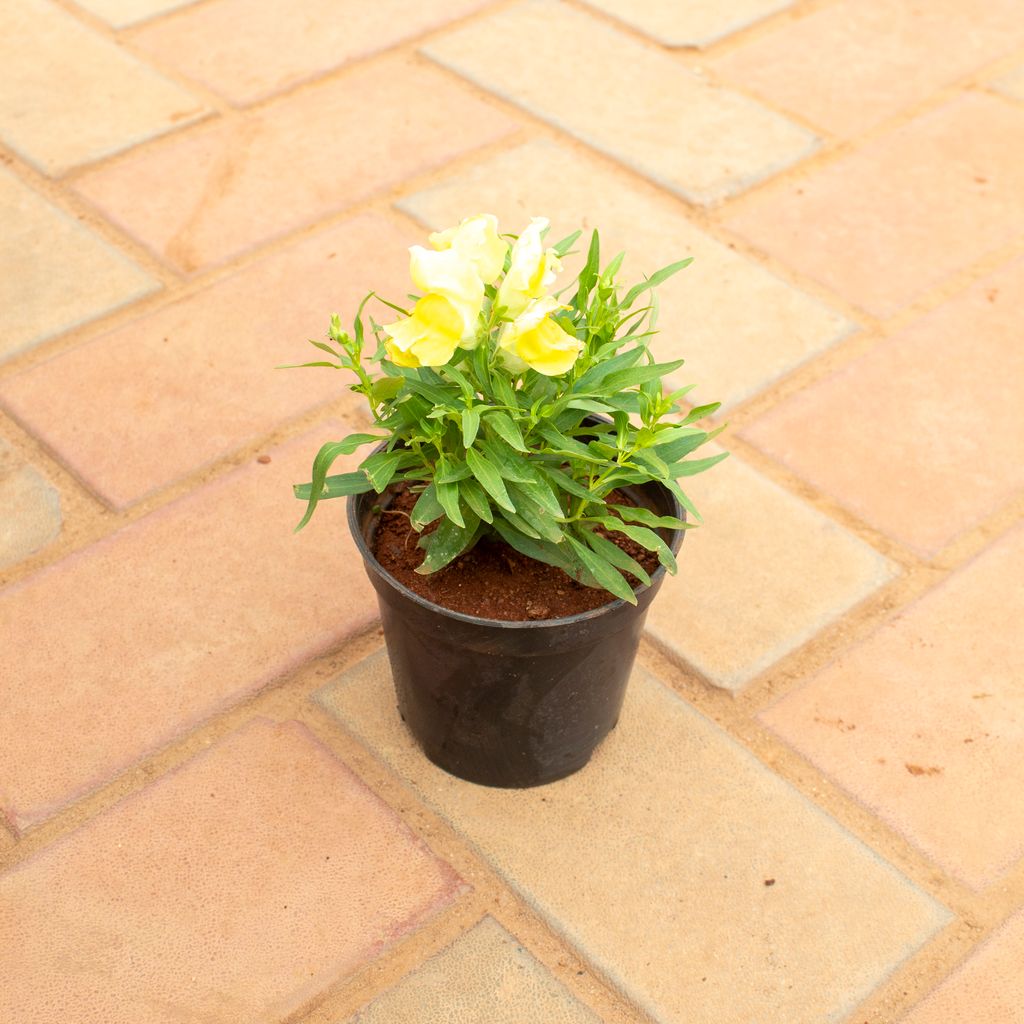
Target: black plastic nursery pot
[{"x": 510, "y": 704}]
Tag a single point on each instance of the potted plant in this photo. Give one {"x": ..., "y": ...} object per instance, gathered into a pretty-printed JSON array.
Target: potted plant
[{"x": 521, "y": 504}]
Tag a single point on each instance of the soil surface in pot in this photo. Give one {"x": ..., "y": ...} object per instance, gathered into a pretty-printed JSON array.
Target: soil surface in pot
[{"x": 493, "y": 580}]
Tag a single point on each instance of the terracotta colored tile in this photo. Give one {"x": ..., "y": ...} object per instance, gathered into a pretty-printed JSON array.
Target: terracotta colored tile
[
  {"x": 247, "y": 52},
  {"x": 696, "y": 23},
  {"x": 762, "y": 575},
  {"x": 989, "y": 987},
  {"x": 689, "y": 136},
  {"x": 852, "y": 64},
  {"x": 705, "y": 310},
  {"x": 1013, "y": 83},
  {"x": 102, "y": 101},
  {"x": 196, "y": 380},
  {"x": 903, "y": 213},
  {"x": 29, "y": 509},
  {"x": 207, "y": 195},
  {"x": 461, "y": 984},
  {"x": 120, "y": 13},
  {"x": 232, "y": 890},
  {"x": 924, "y": 721},
  {"x": 652, "y": 862},
  {"x": 125, "y": 645},
  {"x": 54, "y": 273},
  {"x": 941, "y": 446}
]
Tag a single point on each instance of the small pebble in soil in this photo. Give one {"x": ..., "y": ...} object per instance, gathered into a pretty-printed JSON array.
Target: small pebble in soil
[
  {"x": 263, "y": 460},
  {"x": 769, "y": 881}
]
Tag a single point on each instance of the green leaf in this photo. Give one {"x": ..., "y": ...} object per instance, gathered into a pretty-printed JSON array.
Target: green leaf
[
  {"x": 608, "y": 577},
  {"x": 325, "y": 458},
  {"x": 534, "y": 514},
  {"x": 475, "y": 497},
  {"x": 437, "y": 395},
  {"x": 490, "y": 478},
  {"x": 550, "y": 554},
  {"x": 507, "y": 429},
  {"x": 504, "y": 391},
  {"x": 646, "y": 517},
  {"x": 470, "y": 426},
  {"x": 680, "y": 494},
  {"x": 678, "y": 444},
  {"x": 590, "y": 405},
  {"x": 426, "y": 509},
  {"x": 700, "y": 411},
  {"x": 654, "y": 280},
  {"x": 380, "y": 468},
  {"x": 612, "y": 553},
  {"x": 622, "y": 379},
  {"x": 565, "y": 482},
  {"x": 447, "y": 542},
  {"x": 694, "y": 466},
  {"x": 336, "y": 486},
  {"x": 650, "y": 461},
  {"x": 385, "y": 388},
  {"x": 520, "y": 524},
  {"x": 562, "y": 247},
  {"x": 566, "y": 446},
  {"x": 449, "y": 472},
  {"x": 448, "y": 499},
  {"x": 644, "y": 537},
  {"x": 301, "y": 366},
  {"x": 596, "y": 374}
]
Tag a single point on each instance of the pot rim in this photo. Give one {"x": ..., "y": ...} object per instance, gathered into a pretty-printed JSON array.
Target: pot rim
[{"x": 355, "y": 529}]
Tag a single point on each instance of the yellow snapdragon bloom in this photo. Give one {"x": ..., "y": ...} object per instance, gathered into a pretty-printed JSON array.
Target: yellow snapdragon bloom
[
  {"x": 478, "y": 241},
  {"x": 428, "y": 337},
  {"x": 534, "y": 340},
  {"x": 531, "y": 272}
]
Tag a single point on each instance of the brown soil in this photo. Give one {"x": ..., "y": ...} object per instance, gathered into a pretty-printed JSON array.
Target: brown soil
[{"x": 493, "y": 580}]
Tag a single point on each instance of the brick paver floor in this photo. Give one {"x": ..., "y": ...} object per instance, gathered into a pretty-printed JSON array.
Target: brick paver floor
[{"x": 209, "y": 809}]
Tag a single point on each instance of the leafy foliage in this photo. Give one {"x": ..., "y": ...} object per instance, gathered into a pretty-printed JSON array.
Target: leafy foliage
[{"x": 490, "y": 449}]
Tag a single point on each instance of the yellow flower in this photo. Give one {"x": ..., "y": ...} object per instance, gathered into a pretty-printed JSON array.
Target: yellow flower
[
  {"x": 532, "y": 270},
  {"x": 428, "y": 337},
  {"x": 478, "y": 241},
  {"x": 534, "y": 340},
  {"x": 449, "y": 274}
]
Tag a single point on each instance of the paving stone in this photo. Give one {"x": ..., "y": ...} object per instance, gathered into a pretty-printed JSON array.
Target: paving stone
[
  {"x": 120, "y": 13},
  {"x": 486, "y": 977},
  {"x": 232, "y": 890},
  {"x": 924, "y": 721},
  {"x": 54, "y": 273},
  {"x": 705, "y": 310},
  {"x": 764, "y": 574},
  {"x": 1013, "y": 83},
  {"x": 166, "y": 622},
  {"x": 213, "y": 192},
  {"x": 907, "y": 210},
  {"x": 652, "y": 861},
  {"x": 190, "y": 382},
  {"x": 102, "y": 101},
  {"x": 696, "y": 23},
  {"x": 941, "y": 447},
  {"x": 247, "y": 52},
  {"x": 698, "y": 140},
  {"x": 852, "y": 64},
  {"x": 987, "y": 989},
  {"x": 29, "y": 509}
]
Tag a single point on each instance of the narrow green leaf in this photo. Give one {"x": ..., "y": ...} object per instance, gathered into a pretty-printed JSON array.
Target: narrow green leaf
[
  {"x": 449, "y": 472},
  {"x": 507, "y": 429},
  {"x": 325, "y": 458},
  {"x": 447, "y": 542},
  {"x": 448, "y": 499},
  {"x": 622, "y": 379},
  {"x": 426, "y": 509},
  {"x": 612, "y": 553},
  {"x": 562, "y": 247},
  {"x": 590, "y": 405},
  {"x": 649, "y": 459},
  {"x": 681, "y": 496},
  {"x": 550, "y": 554},
  {"x": 385, "y": 388},
  {"x": 607, "y": 575},
  {"x": 475, "y": 497},
  {"x": 470, "y": 426},
  {"x": 563, "y": 481},
  {"x": 336, "y": 486},
  {"x": 654, "y": 280},
  {"x": 302, "y": 366},
  {"x": 535, "y": 514},
  {"x": 490, "y": 478},
  {"x": 646, "y": 517},
  {"x": 380, "y": 468},
  {"x": 694, "y": 466},
  {"x": 700, "y": 411},
  {"x": 644, "y": 537}
]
